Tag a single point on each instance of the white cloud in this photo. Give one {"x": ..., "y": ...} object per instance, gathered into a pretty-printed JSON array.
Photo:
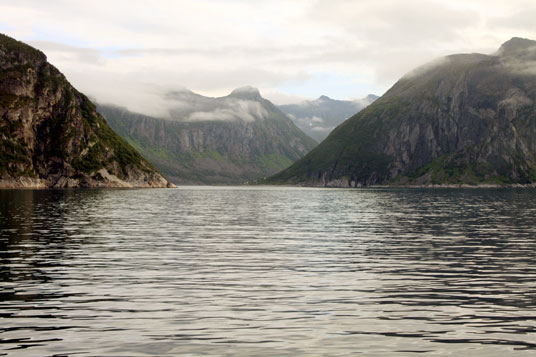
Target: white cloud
[
  {"x": 218, "y": 114},
  {"x": 227, "y": 109},
  {"x": 129, "y": 52},
  {"x": 321, "y": 129},
  {"x": 198, "y": 108},
  {"x": 315, "y": 119}
]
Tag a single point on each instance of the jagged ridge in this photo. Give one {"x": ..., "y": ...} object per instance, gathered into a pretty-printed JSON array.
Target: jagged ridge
[
  {"x": 228, "y": 140},
  {"x": 463, "y": 119}
]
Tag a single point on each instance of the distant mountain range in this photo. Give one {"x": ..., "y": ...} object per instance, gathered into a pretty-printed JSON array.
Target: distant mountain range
[
  {"x": 229, "y": 140},
  {"x": 317, "y": 118},
  {"x": 51, "y": 135},
  {"x": 464, "y": 119}
]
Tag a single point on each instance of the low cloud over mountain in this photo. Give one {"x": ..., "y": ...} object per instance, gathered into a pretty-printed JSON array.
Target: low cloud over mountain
[{"x": 317, "y": 118}]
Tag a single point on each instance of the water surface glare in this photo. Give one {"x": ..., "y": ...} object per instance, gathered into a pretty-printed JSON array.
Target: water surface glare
[{"x": 268, "y": 271}]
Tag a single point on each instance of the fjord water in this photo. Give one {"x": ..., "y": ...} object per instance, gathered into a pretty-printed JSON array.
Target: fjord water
[{"x": 268, "y": 271}]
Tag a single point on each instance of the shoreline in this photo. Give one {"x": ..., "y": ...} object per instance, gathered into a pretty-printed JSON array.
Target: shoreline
[
  {"x": 464, "y": 186},
  {"x": 26, "y": 183}
]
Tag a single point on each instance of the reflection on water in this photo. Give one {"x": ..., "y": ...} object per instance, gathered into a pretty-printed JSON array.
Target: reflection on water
[{"x": 257, "y": 271}]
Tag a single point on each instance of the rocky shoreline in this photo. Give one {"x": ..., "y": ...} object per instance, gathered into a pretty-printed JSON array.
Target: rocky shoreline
[
  {"x": 464, "y": 186},
  {"x": 105, "y": 180}
]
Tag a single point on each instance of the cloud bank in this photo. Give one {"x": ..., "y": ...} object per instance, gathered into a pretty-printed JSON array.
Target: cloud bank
[
  {"x": 227, "y": 109},
  {"x": 133, "y": 52}
]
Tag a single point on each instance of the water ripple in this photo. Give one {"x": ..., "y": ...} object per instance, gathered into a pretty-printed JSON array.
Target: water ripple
[{"x": 268, "y": 271}]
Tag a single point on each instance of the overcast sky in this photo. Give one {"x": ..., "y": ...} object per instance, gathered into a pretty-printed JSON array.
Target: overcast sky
[{"x": 130, "y": 52}]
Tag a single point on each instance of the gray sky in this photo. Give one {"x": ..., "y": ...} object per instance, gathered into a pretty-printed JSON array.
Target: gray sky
[{"x": 130, "y": 52}]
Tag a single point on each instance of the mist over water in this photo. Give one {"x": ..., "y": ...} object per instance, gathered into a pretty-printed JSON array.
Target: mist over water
[{"x": 268, "y": 271}]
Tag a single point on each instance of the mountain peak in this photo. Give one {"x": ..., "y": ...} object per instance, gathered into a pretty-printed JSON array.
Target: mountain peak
[
  {"x": 515, "y": 45},
  {"x": 246, "y": 92},
  {"x": 19, "y": 52},
  {"x": 179, "y": 92},
  {"x": 324, "y": 97},
  {"x": 368, "y": 149},
  {"x": 371, "y": 98}
]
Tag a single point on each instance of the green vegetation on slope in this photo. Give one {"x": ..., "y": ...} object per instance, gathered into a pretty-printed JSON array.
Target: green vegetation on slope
[
  {"x": 466, "y": 119},
  {"x": 213, "y": 151},
  {"x": 14, "y": 46},
  {"x": 349, "y": 149},
  {"x": 123, "y": 152},
  {"x": 61, "y": 126}
]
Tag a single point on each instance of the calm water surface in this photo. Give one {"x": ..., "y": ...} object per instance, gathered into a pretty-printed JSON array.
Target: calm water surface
[{"x": 268, "y": 271}]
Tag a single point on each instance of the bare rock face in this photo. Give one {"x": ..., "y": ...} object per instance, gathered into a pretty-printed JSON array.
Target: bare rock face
[
  {"x": 51, "y": 134},
  {"x": 234, "y": 139},
  {"x": 465, "y": 119}
]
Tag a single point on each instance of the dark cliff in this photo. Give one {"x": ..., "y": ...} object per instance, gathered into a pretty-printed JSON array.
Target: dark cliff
[
  {"x": 465, "y": 119},
  {"x": 51, "y": 134},
  {"x": 229, "y": 140}
]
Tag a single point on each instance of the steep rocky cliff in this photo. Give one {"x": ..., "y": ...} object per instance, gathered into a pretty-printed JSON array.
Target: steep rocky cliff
[
  {"x": 467, "y": 118},
  {"x": 51, "y": 134},
  {"x": 229, "y": 140}
]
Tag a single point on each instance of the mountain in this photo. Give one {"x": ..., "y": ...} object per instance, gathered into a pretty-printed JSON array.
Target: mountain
[
  {"x": 467, "y": 118},
  {"x": 320, "y": 116},
  {"x": 228, "y": 140},
  {"x": 51, "y": 134}
]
